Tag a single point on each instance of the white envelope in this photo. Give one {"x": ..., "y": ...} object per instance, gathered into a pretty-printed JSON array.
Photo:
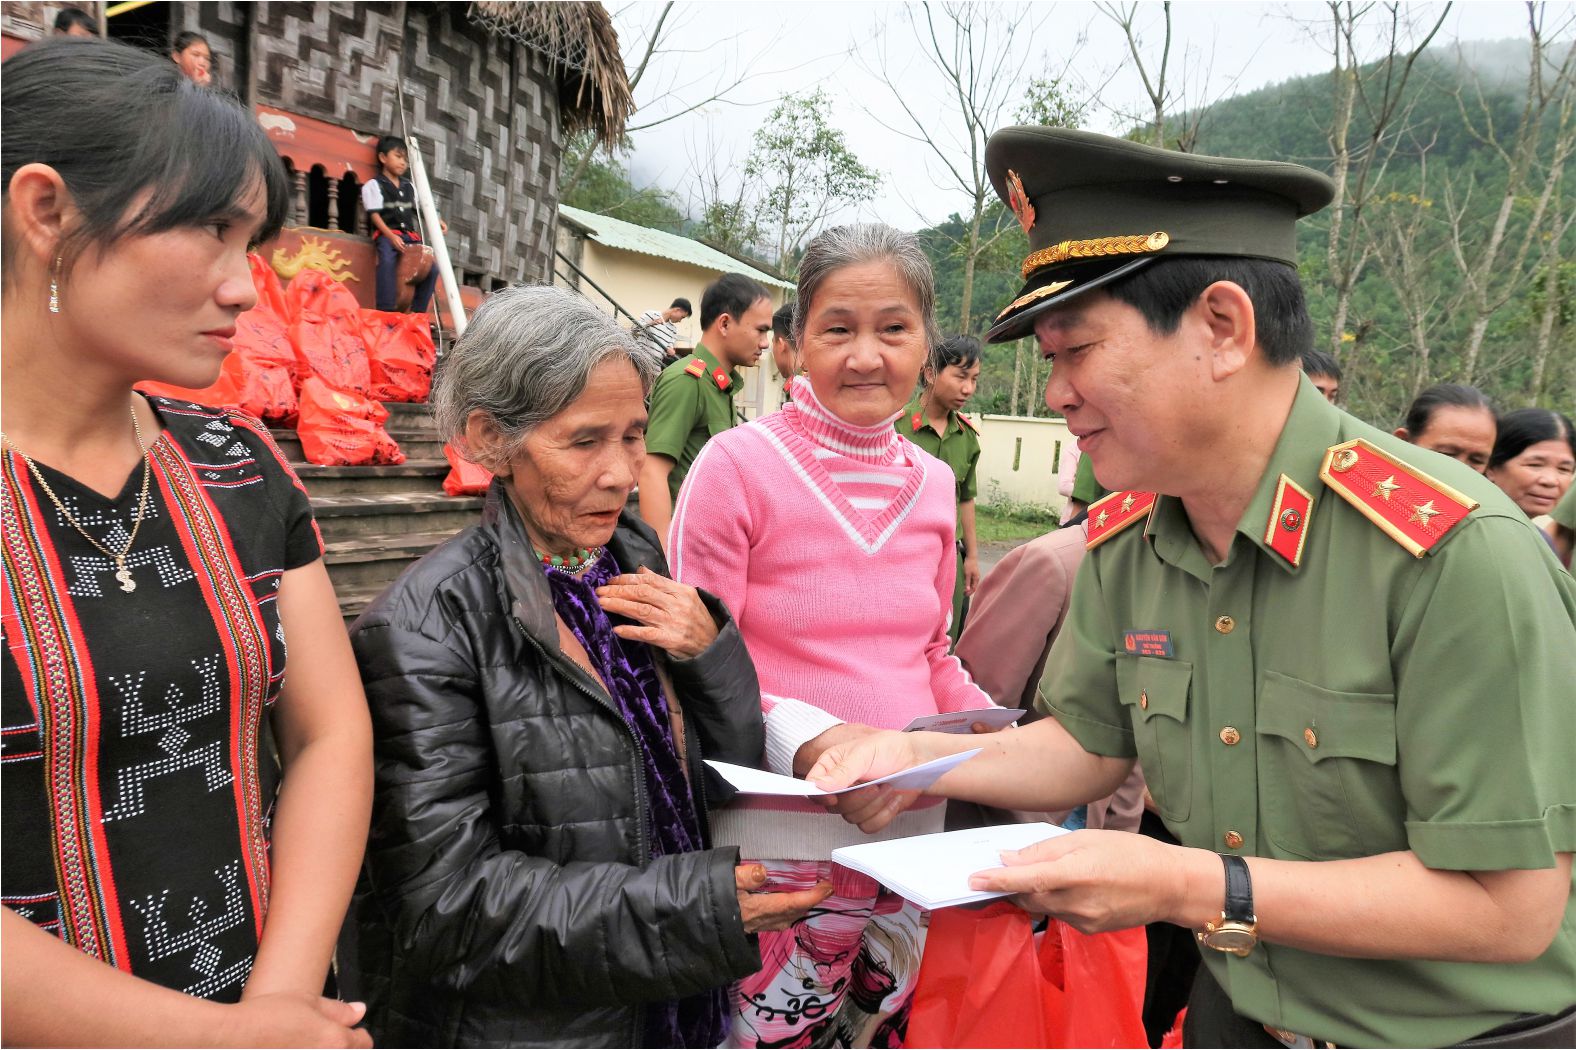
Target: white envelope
[
  {"x": 750, "y": 781},
  {"x": 933, "y": 870},
  {"x": 964, "y": 721}
]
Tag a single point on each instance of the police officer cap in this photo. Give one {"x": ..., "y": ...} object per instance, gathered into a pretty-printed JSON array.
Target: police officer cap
[{"x": 1098, "y": 208}]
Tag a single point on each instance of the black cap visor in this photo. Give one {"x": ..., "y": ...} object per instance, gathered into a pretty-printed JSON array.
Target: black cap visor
[{"x": 1054, "y": 286}]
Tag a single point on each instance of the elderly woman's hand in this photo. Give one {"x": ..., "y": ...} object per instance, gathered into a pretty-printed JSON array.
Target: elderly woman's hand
[
  {"x": 772, "y": 910},
  {"x": 667, "y": 614}
]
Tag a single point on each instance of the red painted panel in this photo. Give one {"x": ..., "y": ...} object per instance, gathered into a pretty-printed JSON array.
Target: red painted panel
[{"x": 309, "y": 142}]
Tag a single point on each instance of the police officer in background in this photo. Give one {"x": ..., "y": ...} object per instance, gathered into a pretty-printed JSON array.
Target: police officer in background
[
  {"x": 1347, "y": 663},
  {"x": 692, "y": 401}
]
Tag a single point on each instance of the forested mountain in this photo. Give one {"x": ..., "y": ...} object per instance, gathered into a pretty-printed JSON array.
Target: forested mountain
[{"x": 1422, "y": 224}]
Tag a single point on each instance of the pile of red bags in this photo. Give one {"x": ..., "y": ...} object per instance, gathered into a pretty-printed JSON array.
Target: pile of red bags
[{"x": 313, "y": 335}]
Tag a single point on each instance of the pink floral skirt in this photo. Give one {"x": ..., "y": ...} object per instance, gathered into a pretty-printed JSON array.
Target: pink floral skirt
[{"x": 841, "y": 977}]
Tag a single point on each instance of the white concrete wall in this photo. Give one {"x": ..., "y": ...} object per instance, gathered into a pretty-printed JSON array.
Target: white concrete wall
[
  {"x": 642, "y": 282},
  {"x": 1019, "y": 457}
]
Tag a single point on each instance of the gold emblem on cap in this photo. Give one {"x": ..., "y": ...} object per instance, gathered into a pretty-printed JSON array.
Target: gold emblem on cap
[
  {"x": 1038, "y": 293},
  {"x": 1018, "y": 201},
  {"x": 1095, "y": 248}
]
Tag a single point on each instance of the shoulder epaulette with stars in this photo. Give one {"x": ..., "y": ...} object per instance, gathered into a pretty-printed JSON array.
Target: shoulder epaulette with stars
[
  {"x": 1410, "y": 507},
  {"x": 696, "y": 368},
  {"x": 1115, "y": 512},
  {"x": 966, "y": 421}
]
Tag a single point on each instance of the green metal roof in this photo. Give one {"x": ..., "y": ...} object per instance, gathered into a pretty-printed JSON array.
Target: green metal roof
[{"x": 626, "y": 236}]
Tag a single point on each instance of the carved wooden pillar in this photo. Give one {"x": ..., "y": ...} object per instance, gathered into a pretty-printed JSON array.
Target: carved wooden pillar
[
  {"x": 332, "y": 188},
  {"x": 298, "y": 213}
]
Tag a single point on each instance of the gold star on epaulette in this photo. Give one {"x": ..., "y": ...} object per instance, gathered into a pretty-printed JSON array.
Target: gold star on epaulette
[
  {"x": 1385, "y": 487},
  {"x": 1423, "y": 513}
]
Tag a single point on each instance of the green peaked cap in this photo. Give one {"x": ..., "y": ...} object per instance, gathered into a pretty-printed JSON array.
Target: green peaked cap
[{"x": 1097, "y": 208}]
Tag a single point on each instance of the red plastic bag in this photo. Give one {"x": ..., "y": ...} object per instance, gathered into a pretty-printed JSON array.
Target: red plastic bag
[
  {"x": 264, "y": 366},
  {"x": 984, "y": 983},
  {"x": 257, "y": 377},
  {"x": 338, "y": 428},
  {"x": 326, "y": 332},
  {"x": 270, "y": 293},
  {"x": 401, "y": 354},
  {"x": 465, "y": 478}
]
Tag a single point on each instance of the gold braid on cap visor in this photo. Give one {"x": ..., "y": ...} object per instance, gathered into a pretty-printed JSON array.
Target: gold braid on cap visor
[{"x": 1136, "y": 244}]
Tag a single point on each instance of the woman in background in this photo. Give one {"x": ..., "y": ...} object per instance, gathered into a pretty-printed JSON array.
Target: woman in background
[
  {"x": 193, "y": 57},
  {"x": 1534, "y": 459},
  {"x": 1453, "y": 420}
]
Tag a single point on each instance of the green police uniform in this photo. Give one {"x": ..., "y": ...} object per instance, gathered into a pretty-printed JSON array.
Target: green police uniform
[
  {"x": 1383, "y": 660},
  {"x": 959, "y": 449},
  {"x": 691, "y": 403},
  {"x": 1360, "y": 702}
]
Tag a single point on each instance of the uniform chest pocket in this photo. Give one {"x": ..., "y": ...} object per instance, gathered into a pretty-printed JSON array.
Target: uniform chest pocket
[
  {"x": 718, "y": 415},
  {"x": 1156, "y": 692},
  {"x": 1328, "y": 783}
]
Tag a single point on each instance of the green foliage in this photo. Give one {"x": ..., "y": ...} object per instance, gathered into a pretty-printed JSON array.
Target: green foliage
[
  {"x": 805, "y": 169},
  {"x": 1442, "y": 165},
  {"x": 604, "y": 188},
  {"x": 1008, "y": 520}
]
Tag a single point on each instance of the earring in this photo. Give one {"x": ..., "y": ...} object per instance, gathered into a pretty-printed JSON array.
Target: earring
[{"x": 54, "y": 286}]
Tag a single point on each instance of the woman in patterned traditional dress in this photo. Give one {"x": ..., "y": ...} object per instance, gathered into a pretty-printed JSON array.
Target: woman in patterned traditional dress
[{"x": 156, "y": 558}]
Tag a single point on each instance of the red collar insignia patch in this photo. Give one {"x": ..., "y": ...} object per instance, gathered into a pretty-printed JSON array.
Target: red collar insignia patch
[{"x": 1287, "y": 530}]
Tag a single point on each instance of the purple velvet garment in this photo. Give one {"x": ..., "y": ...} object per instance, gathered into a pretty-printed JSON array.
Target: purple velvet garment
[{"x": 631, "y": 678}]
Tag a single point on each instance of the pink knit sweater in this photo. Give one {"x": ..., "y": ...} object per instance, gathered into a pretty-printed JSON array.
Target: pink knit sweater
[{"x": 832, "y": 546}]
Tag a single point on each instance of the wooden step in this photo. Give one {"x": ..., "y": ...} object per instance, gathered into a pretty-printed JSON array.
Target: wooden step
[
  {"x": 349, "y": 516},
  {"x": 377, "y": 559},
  {"x": 353, "y": 600},
  {"x": 409, "y": 413},
  {"x": 418, "y": 443},
  {"x": 413, "y": 475}
]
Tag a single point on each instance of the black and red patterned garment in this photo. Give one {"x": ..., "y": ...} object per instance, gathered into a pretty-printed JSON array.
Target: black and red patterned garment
[{"x": 133, "y": 780}]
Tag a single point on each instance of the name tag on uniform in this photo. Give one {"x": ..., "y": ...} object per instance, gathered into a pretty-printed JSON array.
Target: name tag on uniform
[{"x": 1148, "y": 642}]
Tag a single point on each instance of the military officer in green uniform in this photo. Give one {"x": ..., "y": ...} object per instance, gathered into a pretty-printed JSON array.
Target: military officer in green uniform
[
  {"x": 935, "y": 422},
  {"x": 692, "y": 400},
  {"x": 1345, "y": 662}
]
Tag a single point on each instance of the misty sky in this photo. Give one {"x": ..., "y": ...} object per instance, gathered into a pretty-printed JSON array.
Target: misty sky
[{"x": 789, "y": 47}]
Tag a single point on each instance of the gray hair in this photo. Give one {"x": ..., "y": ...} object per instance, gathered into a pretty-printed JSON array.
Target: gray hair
[
  {"x": 842, "y": 246},
  {"x": 526, "y": 355}
]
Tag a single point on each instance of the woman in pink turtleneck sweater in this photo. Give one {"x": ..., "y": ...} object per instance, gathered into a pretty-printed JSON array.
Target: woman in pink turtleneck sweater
[{"x": 830, "y": 538}]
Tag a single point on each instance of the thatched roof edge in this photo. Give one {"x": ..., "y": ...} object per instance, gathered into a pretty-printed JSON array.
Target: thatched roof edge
[{"x": 578, "y": 40}]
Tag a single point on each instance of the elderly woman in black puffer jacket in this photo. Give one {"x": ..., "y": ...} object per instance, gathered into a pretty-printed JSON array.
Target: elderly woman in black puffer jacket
[{"x": 539, "y": 870}]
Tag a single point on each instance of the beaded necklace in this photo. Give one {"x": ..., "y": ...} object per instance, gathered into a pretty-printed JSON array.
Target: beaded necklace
[{"x": 569, "y": 563}]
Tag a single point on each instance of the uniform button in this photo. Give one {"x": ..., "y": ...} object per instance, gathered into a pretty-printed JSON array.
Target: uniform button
[
  {"x": 1143, "y": 701},
  {"x": 1225, "y": 625},
  {"x": 1230, "y": 737},
  {"x": 1233, "y": 840},
  {"x": 1310, "y": 737}
]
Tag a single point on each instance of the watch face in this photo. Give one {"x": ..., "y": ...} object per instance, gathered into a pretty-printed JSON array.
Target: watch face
[{"x": 1232, "y": 939}]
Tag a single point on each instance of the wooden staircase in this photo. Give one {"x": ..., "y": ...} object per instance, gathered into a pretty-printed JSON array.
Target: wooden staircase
[{"x": 378, "y": 520}]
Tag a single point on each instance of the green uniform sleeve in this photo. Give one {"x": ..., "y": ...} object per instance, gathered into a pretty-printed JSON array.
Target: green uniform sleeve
[
  {"x": 1085, "y": 488},
  {"x": 1485, "y": 658},
  {"x": 675, "y": 410},
  {"x": 971, "y": 486},
  {"x": 1079, "y": 688},
  {"x": 1565, "y": 511}
]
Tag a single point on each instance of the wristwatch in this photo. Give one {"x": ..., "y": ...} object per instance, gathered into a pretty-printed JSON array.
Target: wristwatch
[{"x": 1237, "y": 931}]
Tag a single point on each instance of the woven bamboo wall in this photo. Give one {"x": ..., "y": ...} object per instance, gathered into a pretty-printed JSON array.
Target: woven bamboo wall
[{"x": 484, "y": 108}]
